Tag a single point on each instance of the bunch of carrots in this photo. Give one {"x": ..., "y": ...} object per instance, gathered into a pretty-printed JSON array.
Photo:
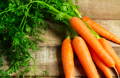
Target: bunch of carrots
[
  {"x": 89, "y": 44},
  {"x": 92, "y": 50}
]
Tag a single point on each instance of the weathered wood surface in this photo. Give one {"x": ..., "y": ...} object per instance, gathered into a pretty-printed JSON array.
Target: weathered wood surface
[{"x": 100, "y": 9}]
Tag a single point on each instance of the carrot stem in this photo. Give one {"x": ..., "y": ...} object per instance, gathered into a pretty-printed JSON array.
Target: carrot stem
[
  {"x": 92, "y": 31},
  {"x": 72, "y": 2}
]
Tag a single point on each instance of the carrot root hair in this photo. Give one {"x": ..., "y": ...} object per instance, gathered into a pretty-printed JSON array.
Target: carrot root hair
[{"x": 118, "y": 76}]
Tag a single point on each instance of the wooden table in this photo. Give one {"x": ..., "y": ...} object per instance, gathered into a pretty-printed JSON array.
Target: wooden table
[{"x": 48, "y": 58}]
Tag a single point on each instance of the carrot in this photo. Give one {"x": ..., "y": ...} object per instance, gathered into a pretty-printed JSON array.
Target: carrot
[
  {"x": 84, "y": 57},
  {"x": 117, "y": 65},
  {"x": 111, "y": 52},
  {"x": 68, "y": 58},
  {"x": 100, "y": 30},
  {"x": 78, "y": 25},
  {"x": 107, "y": 72}
]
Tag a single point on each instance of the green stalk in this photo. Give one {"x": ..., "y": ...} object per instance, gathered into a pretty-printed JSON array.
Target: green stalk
[
  {"x": 6, "y": 11},
  {"x": 53, "y": 10},
  {"x": 67, "y": 16},
  {"x": 92, "y": 31},
  {"x": 75, "y": 8},
  {"x": 24, "y": 18},
  {"x": 80, "y": 16}
]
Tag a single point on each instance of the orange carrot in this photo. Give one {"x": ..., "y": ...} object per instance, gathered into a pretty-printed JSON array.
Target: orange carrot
[
  {"x": 111, "y": 52},
  {"x": 78, "y": 25},
  {"x": 117, "y": 65},
  {"x": 84, "y": 57},
  {"x": 107, "y": 72},
  {"x": 100, "y": 30},
  {"x": 68, "y": 58}
]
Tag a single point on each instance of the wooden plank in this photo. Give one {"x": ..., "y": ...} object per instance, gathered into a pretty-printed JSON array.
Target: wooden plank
[
  {"x": 100, "y": 9},
  {"x": 51, "y": 55},
  {"x": 53, "y": 39},
  {"x": 47, "y": 61}
]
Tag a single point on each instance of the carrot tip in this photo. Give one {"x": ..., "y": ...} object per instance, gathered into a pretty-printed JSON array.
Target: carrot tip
[{"x": 118, "y": 76}]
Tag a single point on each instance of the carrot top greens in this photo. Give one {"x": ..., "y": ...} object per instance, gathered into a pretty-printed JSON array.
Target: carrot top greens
[
  {"x": 18, "y": 22},
  {"x": 21, "y": 23}
]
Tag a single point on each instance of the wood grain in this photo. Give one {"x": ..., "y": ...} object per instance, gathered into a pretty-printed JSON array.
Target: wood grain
[{"x": 100, "y": 9}]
